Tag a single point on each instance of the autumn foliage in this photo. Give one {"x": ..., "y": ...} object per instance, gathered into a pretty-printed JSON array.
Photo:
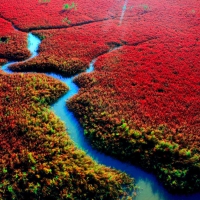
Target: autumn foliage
[
  {"x": 141, "y": 104},
  {"x": 38, "y": 160},
  {"x": 146, "y": 116},
  {"x": 13, "y": 44}
]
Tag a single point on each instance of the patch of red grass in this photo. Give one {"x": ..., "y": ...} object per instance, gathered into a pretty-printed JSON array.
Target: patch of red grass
[
  {"x": 69, "y": 51},
  {"x": 13, "y": 43},
  {"x": 51, "y": 14}
]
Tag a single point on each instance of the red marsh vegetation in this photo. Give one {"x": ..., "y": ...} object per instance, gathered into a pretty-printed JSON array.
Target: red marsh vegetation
[
  {"x": 141, "y": 103},
  {"x": 13, "y": 44},
  {"x": 38, "y": 159}
]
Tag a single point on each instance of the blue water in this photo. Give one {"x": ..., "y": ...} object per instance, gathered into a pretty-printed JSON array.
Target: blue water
[{"x": 150, "y": 188}]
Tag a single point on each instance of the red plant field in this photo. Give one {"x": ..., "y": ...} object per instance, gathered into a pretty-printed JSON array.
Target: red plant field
[
  {"x": 2, "y": 61},
  {"x": 13, "y": 44},
  {"x": 142, "y": 102},
  {"x": 38, "y": 160},
  {"x": 40, "y": 14},
  {"x": 147, "y": 116}
]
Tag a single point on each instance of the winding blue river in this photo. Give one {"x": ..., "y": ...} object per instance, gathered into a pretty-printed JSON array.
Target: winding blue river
[{"x": 150, "y": 188}]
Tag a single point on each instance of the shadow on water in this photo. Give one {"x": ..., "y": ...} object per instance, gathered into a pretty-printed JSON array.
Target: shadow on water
[{"x": 150, "y": 188}]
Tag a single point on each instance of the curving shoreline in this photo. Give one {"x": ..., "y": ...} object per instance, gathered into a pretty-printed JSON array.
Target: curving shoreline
[
  {"x": 151, "y": 189},
  {"x": 155, "y": 190}
]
